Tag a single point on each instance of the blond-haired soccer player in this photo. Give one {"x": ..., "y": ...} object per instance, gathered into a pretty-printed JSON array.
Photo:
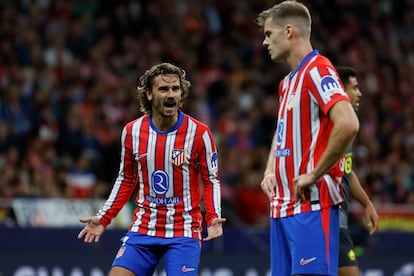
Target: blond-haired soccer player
[{"x": 315, "y": 126}]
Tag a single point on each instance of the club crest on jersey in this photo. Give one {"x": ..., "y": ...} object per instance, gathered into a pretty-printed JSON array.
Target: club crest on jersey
[
  {"x": 121, "y": 252},
  {"x": 178, "y": 157}
]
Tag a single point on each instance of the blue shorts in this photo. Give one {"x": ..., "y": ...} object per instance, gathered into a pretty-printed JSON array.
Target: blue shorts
[
  {"x": 306, "y": 243},
  {"x": 141, "y": 254}
]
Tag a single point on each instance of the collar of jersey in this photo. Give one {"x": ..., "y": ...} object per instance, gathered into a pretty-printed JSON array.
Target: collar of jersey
[
  {"x": 303, "y": 62},
  {"x": 174, "y": 127}
]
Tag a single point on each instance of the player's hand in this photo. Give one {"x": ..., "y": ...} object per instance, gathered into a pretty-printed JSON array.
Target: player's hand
[
  {"x": 371, "y": 219},
  {"x": 92, "y": 231},
  {"x": 268, "y": 185},
  {"x": 301, "y": 183},
  {"x": 215, "y": 230}
]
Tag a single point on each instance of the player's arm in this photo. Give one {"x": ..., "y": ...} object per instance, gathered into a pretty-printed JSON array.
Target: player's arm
[
  {"x": 268, "y": 182},
  {"x": 370, "y": 214},
  {"x": 345, "y": 127},
  {"x": 121, "y": 192},
  {"x": 208, "y": 161}
]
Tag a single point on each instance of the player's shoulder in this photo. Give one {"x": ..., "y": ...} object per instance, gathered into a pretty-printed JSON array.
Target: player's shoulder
[
  {"x": 139, "y": 120},
  {"x": 320, "y": 68},
  {"x": 200, "y": 125},
  {"x": 322, "y": 63},
  {"x": 323, "y": 59}
]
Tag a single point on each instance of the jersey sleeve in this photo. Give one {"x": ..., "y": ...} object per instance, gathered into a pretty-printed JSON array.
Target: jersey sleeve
[
  {"x": 124, "y": 184},
  {"x": 324, "y": 85},
  {"x": 208, "y": 161}
]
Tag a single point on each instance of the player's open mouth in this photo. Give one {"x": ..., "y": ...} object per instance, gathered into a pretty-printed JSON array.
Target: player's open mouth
[{"x": 170, "y": 104}]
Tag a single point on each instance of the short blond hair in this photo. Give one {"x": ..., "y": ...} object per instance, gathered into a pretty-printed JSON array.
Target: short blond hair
[{"x": 288, "y": 12}]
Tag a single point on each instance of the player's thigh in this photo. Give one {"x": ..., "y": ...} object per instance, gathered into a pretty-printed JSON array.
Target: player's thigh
[
  {"x": 348, "y": 271},
  {"x": 347, "y": 256},
  {"x": 182, "y": 257},
  {"x": 121, "y": 271},
  {"x": 139, "y": 259}
]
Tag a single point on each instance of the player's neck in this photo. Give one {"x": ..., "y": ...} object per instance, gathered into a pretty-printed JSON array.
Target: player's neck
[
  {"x": 164, "y": 123},
  {"x": 301, "y": 50}
]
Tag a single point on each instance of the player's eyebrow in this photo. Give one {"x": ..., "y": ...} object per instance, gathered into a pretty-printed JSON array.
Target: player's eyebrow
[{"x": 166, "y": 87}]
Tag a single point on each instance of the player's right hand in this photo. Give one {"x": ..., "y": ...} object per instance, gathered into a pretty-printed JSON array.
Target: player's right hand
[
  {"x": 92, "y": 230},
  {"x": 268, "y": 185}
]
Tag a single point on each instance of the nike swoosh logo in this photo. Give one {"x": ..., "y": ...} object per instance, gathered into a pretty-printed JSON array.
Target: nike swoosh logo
[
  {"x": 305, "y": 262},
  {"x": 139, "y": 156},
  {"x": 187, "y": 269},
  {"x": 292, "y": 101}
]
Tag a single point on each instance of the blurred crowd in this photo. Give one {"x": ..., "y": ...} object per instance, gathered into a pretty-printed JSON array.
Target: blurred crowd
[{"x": 69, "y": 69}]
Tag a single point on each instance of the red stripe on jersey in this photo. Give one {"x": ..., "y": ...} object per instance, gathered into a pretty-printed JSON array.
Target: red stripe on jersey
[{"x": 160, "y": 159}]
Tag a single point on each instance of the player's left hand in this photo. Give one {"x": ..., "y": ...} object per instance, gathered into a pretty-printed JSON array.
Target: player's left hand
[
  {"x": 92, "y": 230},
  {"x": 371, "y": 219},
  {"x": 215, "y": 230}
]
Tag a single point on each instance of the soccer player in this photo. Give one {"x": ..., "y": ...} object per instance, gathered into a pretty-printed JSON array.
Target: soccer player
[
  {"x": 348, "y": 265},
  {"x": 164, "y": 155},
  {"x": 315, "y": 126}
]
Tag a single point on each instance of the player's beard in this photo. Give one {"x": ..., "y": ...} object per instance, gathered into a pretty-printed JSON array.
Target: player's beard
[{"x": 167, "y": 108}]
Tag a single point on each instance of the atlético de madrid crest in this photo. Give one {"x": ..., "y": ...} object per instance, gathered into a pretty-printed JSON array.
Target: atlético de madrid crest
[{"x": 178, "y": 157}]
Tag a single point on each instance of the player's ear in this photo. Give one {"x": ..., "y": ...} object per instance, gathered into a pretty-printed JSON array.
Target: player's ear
[
  {"x": 148, "y": 93},
  {"x": 289, "y": 31}
]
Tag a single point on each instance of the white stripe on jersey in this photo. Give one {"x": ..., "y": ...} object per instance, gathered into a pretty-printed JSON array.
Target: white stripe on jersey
[
  {"x": 169, "y": 168},
  {"x": 333, "y": 189},
  {"x": 314, "y": 197},
  {"x": 188, "y": 145},
  {"x": 151, "y": 149},
  {"x": 168, "y": 164}
]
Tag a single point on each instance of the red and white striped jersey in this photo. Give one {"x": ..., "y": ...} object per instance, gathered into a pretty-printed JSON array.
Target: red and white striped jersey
[
  {"x": 303, "y": 128},
  {"x": 167, "y": 170}
]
